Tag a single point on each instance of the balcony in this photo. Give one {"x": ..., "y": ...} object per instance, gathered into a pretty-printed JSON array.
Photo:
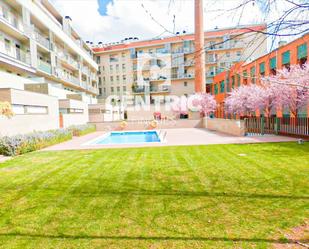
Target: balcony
[
  {"x": 13, "y": 20},
  {"x": 44, "y": 66},
  {"x": 93, "y": 89},
  {"x": 67, "y": 77},
  {"x": 65, "y": 57},
  {"x": 160, "y": 89},
  {"x": 42, "y": 40},
  {"x": 183, "y": 76},
  {"x": 188, "y": 50},
  {"x": 189, "y": 63},
  {"x": 85, "y": 70},
  {"x": 17, "y": 54}
]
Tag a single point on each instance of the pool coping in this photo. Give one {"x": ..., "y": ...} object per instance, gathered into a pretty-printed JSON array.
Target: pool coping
[{"x": 103, "y": 136}]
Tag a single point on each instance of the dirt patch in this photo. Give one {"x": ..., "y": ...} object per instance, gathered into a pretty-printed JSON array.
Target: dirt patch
[{"x": 298, "y": 237}]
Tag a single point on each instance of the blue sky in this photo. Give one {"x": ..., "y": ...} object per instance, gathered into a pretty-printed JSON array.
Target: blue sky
[{"x": 103, "y": 6}]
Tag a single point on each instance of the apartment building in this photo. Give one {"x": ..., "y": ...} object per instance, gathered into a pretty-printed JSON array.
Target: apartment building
[
  {"x": 41, "y": 52},
  {"x": 243, "y": 73},
  {"x": 166, "y": 65}
]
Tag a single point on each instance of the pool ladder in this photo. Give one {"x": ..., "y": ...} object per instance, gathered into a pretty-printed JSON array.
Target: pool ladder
[{"x": 164, "y": 134}]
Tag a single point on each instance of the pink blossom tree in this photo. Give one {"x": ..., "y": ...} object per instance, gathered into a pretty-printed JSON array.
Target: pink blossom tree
[
  {"x": 205, "y": 103},
  {"x": 290, "y": 87},
  {"x": 238, "y": 101}
]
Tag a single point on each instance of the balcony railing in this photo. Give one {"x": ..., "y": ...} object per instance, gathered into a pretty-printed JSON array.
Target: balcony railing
[
  {"x": 85, "y": 70},
  {"x": 44, "y": 66},
  {"x": 162, "y": 88},
  {"x": 183, "y": 76},
  {"x": 66, "y": 77},
  {"x": 12, "y": 20},
  {"x": 68, "y": 59},
  {"x": 42, "y": 40},
  {"x": 17, "y": 54}
]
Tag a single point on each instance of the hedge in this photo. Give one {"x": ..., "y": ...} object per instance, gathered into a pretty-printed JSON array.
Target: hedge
[
  {"x": 81, "y": 130},
  {"x": 20, "y": 144}
]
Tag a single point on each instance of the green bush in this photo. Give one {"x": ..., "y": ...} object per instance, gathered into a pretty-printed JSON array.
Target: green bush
[
  {"x": 81, "y": 130},
  {"x": 21, "y": 144}
]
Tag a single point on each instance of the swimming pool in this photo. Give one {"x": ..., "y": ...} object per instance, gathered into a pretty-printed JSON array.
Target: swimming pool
[{"x": 130, "y": 137}]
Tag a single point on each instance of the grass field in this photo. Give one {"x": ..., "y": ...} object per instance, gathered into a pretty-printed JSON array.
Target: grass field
[{"x": 219, "y": 196}]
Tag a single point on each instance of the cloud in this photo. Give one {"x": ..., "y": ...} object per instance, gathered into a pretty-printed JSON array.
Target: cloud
[{"x": 114, "y": 20}]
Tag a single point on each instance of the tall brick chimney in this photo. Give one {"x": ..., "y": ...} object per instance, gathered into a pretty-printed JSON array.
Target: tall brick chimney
[{"x": 200, "y": 78}]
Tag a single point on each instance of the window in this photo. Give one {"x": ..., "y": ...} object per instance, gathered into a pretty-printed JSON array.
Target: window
[
  {"x": 185, "y": 83},
  {"x": 238, "y": 79},
  {"x": 7, "y": 45},
  {"x": 123, "y": 55},
  {"x": 18, "y": 109},
  {"x": 29, "y": 109},
  {"x": 238, "y": 53},
  {"x": 228, "y": 54},
  {"x": 273, "y": 65},
  {"x": 104, "y": 79},
  {"x": 112, "y": 78},
  {"x": 100, "y": 91},
  {"x": 73, "y": 110},
  {"x": 216, "y": 89},
  {"x": 124, "y": 77},
  {"x": 302, "y": 53},
  {"x": 123, "y": 66},
  {"x": 245, "y": 77},
  {"x": 103, "y": 68},
  {"x": 113, "y": 58},
  {"x": 111, "y": 68},
  {"x": 233, "y": 82},
  {"x": 98, "y": 59},
  {"x": 222, "y": 86},
  {"x": 112, "y": 89},
  {"x": 252, "y": 74},
  {"x": 124, "y": 88},
  {"x": 286, "y": 58},
  {"x": 104, "y": 90},
  {"x": 117, "y": 78},
  {"x": 117, "y": 68},
  {"x": 118, "y": 88},
  {"x": 262, "y": 68}
]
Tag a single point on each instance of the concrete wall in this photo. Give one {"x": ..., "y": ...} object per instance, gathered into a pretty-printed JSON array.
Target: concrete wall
[
  {"x": 70, "y": 119},
  {"x": 145, "y": 125},
  {"x": 232, "y": 127},
  {"x": 25, "y": 123}
]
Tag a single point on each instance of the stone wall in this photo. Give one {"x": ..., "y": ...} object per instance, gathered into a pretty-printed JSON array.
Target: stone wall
[{"x": 228, "y": 126}]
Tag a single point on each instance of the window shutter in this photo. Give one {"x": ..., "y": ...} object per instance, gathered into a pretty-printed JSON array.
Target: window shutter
[
  {"x": 273, "y": 63},
  {"x": 262, "y": 67},
  {"x": 286, "y": 58},
  {"x": 302, "y": 51}
]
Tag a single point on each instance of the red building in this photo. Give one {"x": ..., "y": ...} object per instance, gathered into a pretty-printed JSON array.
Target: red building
[{"x": 295, "y": 52}]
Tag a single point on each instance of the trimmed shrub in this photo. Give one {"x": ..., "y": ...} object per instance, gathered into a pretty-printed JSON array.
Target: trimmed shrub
[
  {"x": 20, "y": 144},
  {"x": 81, "y": 130}
]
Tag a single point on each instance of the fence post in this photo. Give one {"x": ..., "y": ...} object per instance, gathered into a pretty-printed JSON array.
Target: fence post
[
  {"x": 276, "y": 126},
  {"x": 262, "y": 125}
]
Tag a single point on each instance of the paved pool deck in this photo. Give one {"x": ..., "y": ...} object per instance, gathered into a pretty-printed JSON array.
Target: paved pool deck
[{"x": 174, "y": 137}]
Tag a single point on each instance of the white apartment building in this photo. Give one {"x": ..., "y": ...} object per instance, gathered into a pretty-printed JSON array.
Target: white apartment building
[
  {"x": 119, "y": 69},
  {"x": 41, "y": 52}
]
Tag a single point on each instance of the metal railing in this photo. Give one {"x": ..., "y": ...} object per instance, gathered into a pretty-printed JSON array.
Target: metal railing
[
  {"x": 44, "y": 66},
  {"x": 13, "y": 20},
  {"x": 42, "y": 40},
  {"x": 17, "y": 54},
  {"x": 278, "y": 126}
]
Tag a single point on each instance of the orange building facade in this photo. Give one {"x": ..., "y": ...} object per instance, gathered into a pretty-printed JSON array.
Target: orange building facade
[{"x": 295, "y": 52}]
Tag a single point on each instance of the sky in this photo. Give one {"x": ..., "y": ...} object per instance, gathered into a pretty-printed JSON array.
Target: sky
[{"x": 113, "y": 20}]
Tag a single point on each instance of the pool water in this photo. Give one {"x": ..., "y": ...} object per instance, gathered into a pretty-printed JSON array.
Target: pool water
[{"x": 129, "y": 137}]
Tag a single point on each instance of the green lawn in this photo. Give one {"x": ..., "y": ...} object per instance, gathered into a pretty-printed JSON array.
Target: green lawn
[{"x": 169, "y": 197}]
